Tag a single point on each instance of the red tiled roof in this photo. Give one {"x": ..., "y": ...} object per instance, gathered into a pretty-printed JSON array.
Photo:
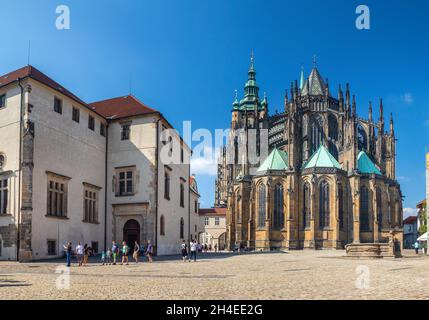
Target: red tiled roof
[
  {"x": 212, "y": 212},
  {"x": 32, "y": 72},
  {"x": 121, "y": 107},
  {"x": 410, "y": 220}
]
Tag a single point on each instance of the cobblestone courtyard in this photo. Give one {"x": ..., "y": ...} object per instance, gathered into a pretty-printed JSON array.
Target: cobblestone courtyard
[{"x": 293, "y": 275}]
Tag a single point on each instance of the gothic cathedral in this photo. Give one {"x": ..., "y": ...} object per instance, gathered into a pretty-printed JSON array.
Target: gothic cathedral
[{"x": 329, "y": 178}]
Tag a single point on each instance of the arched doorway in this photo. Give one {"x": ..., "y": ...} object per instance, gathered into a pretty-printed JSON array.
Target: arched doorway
[{"x": 131, "y": 232}]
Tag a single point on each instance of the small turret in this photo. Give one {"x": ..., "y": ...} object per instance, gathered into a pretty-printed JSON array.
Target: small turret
[
  {"x": 354, "y": 106},
  {"x": 392, "y": 132},
  {"x": 341, "y": 98},
  {"x": 370, "y": 112}
]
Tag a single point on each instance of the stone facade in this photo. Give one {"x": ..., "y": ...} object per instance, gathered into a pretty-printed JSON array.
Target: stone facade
[
  {"x": 336, "y": 181},
  {"x": 65, "y": 163}
]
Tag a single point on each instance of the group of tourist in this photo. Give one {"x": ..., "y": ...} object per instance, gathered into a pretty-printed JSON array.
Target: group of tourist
[
  {"x": 111, "y": 256},
  {"x": 121, "y": 252}
]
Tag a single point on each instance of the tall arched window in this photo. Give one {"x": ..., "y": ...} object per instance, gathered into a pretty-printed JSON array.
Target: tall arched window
[
  {"x": 362, "y": 138},
  {"x": 379, "y": 209},
  {"x": 307, "y": 205},
  {"x": 332, "y": 127},
  {"x": 182, "y": 228},
  {"x": 316, "y": 133},
  {"x": 261, "y": 206},
  {"x": 162, "y": 225},
  {"x": 364, "y": 209},
  {"x": 341, "y": 205},
  {"x": 333, "y": 149},
  {"x": 278, "y": 207},
  {"x": 324, "y": 204}
]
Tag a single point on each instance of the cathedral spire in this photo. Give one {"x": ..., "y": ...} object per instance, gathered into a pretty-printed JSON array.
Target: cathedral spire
[
  {"x": 301, "y": 81},
  {"x": 381, "y": 120}
]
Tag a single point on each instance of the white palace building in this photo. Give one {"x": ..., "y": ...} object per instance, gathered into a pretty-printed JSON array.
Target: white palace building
[{"x": 89, "y": 173}]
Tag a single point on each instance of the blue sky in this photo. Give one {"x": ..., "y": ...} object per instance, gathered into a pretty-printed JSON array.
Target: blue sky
[{"x": 187, "y": 57}]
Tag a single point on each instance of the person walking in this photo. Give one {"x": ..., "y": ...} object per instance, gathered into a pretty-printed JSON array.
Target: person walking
[
  {"x": 149, "y": 251},
  {"x": 108, "y": 256},
  {"x": 79, "y": 254},
  {"x": 215, "y": 247},
  {"x": 68, "y": 249},
  {"x": 184, "y": 250},
  {"x": 114, "y": 252},
  {"x": 85, "y": 254},
  {"x": 136, "y": 251},
  {"x": 125, "y": 250},
  {"x": 416, "y": 247},
  {"x": 193, "y": 246}
]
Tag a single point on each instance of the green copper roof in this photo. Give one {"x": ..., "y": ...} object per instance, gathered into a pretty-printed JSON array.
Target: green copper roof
[
  {"x": 365, "y": 164},
  {"x": 277, "y": 160},
  {"x": 322, "y": 158}
]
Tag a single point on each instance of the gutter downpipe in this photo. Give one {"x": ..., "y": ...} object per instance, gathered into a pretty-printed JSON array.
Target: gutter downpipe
[
  {"x": 21, "y": 119},
  {"x": 105, "y": 187},
  {"x": 156, "y": 184}
]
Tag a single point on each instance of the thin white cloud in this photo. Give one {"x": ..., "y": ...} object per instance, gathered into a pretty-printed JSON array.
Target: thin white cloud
[
  {"x": 407, "y": 98},
  {"x": 205, "y": 164},
  {"x": 403, "y": 178},
  {"x": 409, "y": 212}
]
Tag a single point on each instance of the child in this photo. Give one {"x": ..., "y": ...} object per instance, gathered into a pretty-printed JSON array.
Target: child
[
  {"x": 103, "y": 258},
  {"x": 108, "y": 257}
]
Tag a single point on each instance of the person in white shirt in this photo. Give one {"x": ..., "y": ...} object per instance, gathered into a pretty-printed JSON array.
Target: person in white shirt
[
  {"x": 79, "y": 254},
  {"x": 193, "y": 245}
]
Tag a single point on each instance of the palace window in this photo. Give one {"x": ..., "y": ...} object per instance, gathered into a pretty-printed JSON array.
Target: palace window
[
  {"x": 278, "y": 207},
  {"x": 324, "y": 204},
  {"x": 379, "y": 209},
  {"x": 57, "y": 196},
  {"x": 206, "y": 221},
  {"x": 261, "y": 206},
  {"x": 162, "y": 225},
  {"x": 3, "y": 195},
  {"x": 307, "y": 205},
  {"x": 90, "y": 204},
  {"x": 167, "y": 185},
  {"x": 52, "y": 247},
  {"x": 364, "y": 209},
  {"x": 182, "y": 228},
  {"x": 196, "y": 206},
  {"x": 58, "y": 105},
  {"x": 91, "y": 123},
  {"x": 76, "y": 114},
  {"x": 2, "y": 161},
  {"x": 2, "y": 101},
  {"x": 125, "y": 131},
  {"x": 125, "y": 185},
  {"x": 182, "y": 195},
  {"x": 217, "y": 221},
  {"x": 341, "y": 206},
  {"x": 94, "y": 246},
  {"x": 102, "y": 129}
]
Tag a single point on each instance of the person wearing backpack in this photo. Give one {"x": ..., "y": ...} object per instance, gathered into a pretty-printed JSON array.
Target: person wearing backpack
[{"x": 149, "y": 251}]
